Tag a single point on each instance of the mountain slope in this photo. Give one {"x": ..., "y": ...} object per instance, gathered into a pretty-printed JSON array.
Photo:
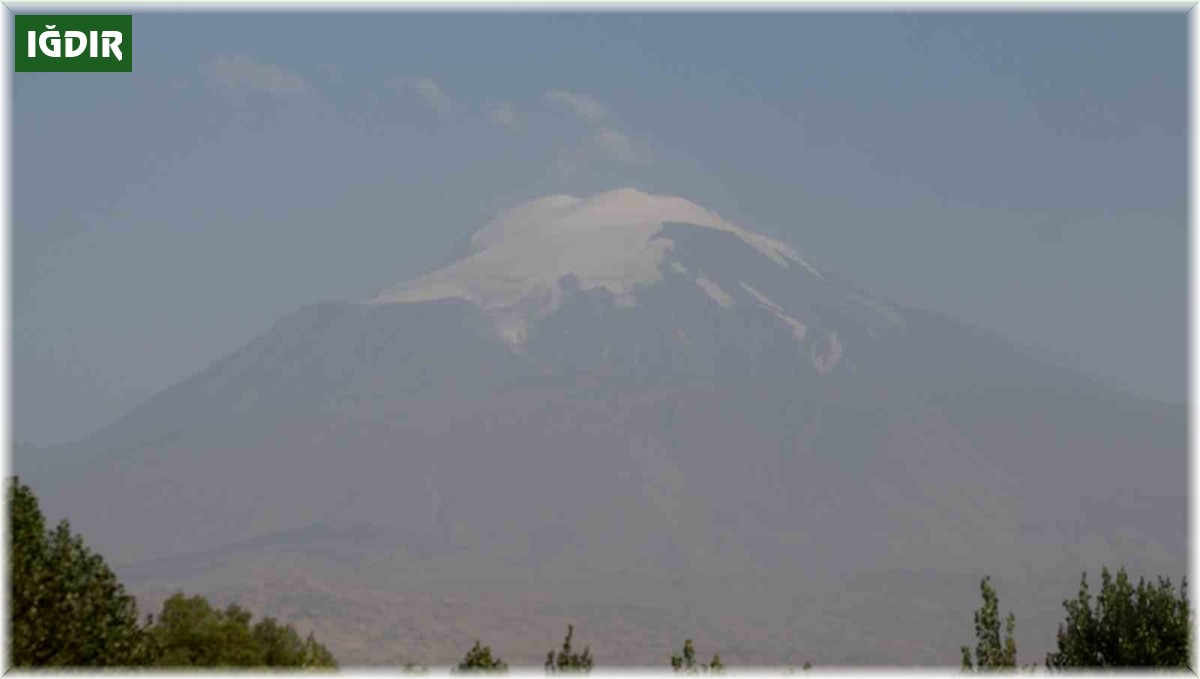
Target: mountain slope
[{"x": 627, "y": 390}]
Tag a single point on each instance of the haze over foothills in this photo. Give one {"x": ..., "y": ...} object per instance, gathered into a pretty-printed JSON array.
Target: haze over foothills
[
  {"x": 1001, "y": 168},
  {"x": 773, "y": 331}
]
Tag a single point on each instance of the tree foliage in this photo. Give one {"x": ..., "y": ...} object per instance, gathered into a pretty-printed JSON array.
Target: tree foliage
[
  {"x": 568, "y": 660},
  {"x": 68, "y": 610},
  {"x": 67, "y": 607},
  {"x": 479, "y": 659},
  {"x": 1146, "y": 626},
  {"x": 191, "y": 633},
  {"x": 281, "y": 646},
  {"x": 990, "y": 652},
  {"x": 687, "y": 661}
]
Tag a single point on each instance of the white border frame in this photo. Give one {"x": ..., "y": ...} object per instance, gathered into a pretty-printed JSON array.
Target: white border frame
[{"x": 103, "y": 6}]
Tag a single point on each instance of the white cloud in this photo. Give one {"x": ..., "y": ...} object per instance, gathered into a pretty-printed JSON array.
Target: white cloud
[
  {"x": 505, "y": 115},
  {"x": 433, "y": 95},
  {"x": 242, "y": 72},
  {"x": 614, "y": 145},
  {"x": 427, "y": 90},
  {"x": 604, "y": 146},
  {"x": 581, "y": 105}
]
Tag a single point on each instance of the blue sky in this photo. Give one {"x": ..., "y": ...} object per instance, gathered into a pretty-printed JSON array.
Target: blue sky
[{"x": 1025, "y": 173}]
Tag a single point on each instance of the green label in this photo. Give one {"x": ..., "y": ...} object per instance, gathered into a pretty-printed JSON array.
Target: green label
[{"x": 74, "y": 42}]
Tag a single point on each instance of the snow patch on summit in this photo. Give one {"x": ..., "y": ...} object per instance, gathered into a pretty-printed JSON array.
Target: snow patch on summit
[
  {"x": 799, "y": 330},
  {"x": 824, "y": 361},
  {"x": 611, "y": 241},
  {"x": 715, "y": 292}
]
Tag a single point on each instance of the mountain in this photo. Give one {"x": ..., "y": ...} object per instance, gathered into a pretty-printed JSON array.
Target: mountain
[{"x": 627, "y": 411}]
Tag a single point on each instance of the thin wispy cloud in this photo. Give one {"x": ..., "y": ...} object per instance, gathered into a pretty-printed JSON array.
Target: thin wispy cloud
[
  {"x": 432, "y": 94},
  {"x": 427, "y": 90},
  {"x": 581, "y": 105},
  {"x": 504, "y": 115},
  {"x": 604, "y": 147},
  {"x": 618, "y": 146},
  {"x": 243, "y": 72}
]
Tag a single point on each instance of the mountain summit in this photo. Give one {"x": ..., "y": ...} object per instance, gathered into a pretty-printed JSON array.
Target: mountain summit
[
  {"x": 619, "y": 246},
  {"x": 612, "y": 241}
]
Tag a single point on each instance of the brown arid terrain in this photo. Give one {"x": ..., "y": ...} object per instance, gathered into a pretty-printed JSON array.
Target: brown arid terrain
[{"x": 749, "y": 623}]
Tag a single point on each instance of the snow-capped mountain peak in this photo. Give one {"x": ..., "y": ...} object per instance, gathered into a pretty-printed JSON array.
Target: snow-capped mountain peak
[
  {"x": 612, "y": 240},
  {"x": 615, "y": 209},
  {"x": 666, "y": 268}
]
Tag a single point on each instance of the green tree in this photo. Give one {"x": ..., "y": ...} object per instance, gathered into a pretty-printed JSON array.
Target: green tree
[
  {"x": 990, "y": 653},
  {"x": 1146, "y": 626},
  {"x": 190, "y": 632},
  {"x": 314, "y": 655},
  {"x": 568, "y": 660},
  {"x": 479, "y": 659},
  {"x": 687, "y": 661},
  {"x": 67, "y": 608},
  {"x": 281, "y": 646}
]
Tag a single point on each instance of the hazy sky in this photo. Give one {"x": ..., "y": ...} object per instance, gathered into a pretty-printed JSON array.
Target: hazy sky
[{"x": 1023, "y": 173}]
